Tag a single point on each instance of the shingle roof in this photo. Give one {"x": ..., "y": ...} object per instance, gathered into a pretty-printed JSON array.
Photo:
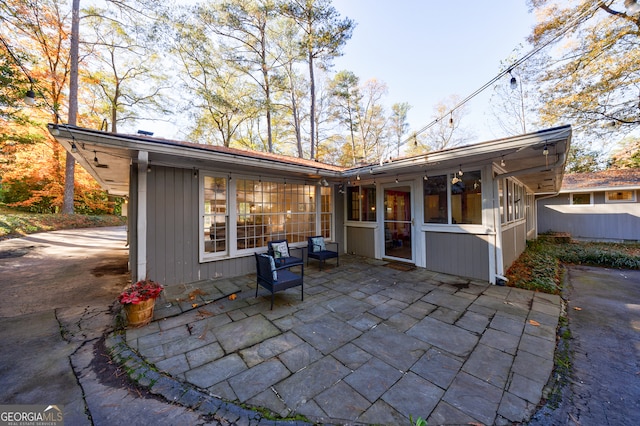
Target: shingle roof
[
  {"x": 250, "y": 154},
  {"x": 617, "y": 178}
]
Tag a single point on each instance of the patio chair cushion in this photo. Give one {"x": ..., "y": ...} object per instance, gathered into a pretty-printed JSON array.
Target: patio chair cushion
[
  {"x": 280, "y": 249},
  {"x": 318, "y": 244},
  {"x": 272, "y": 262}
]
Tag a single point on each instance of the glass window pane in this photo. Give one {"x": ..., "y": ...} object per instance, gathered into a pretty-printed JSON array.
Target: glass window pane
[
  {"x": 621, "y": 196},
  {"x": 353, "y": 200},
  {"x": 215, "y": 214},
  {"x": 326, "y": 214},
  {"x": 369, "y": 204},
  {"x": 435, "y": 200},
  {"x": 581, "y": 198},
  {"x": 466, "y": 198}
]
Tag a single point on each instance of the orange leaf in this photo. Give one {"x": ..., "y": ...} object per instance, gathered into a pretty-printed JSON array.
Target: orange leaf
[
  {"x": 533, "y": 322},
  {"x": 577, "y": 308},
  {"x": 194, "y": 305},
  {"x": 233, "y": 297}
]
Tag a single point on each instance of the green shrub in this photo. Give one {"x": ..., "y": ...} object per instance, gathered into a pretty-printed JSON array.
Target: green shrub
[{"x": 538, "y": 267}]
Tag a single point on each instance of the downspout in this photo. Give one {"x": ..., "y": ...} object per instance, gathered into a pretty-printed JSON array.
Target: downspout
[
  {"x": 143, "y": 164},
  {"x": 536, "y": 207},
  {"x": 499, "y": 278}
]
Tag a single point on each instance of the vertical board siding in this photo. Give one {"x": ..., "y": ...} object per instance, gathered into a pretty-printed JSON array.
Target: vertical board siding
[
  {"x": 599, "y": 221},
  {"x": 361, "y": 241},
  {"x": 514, "y": 242},
  {"x": 466, "y": 255}
]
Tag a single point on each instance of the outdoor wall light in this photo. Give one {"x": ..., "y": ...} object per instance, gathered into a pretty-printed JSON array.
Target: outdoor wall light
[
  {"x": 513, "y": 82},
  {"x": 30, "y": 97}
]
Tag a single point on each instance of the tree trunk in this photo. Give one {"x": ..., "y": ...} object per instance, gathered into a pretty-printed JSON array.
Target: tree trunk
[
  {"x": 70, "y": 162},
  {"x": 312, "y": 108}
]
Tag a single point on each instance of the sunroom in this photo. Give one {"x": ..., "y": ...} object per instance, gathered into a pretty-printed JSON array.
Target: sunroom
[{"x": 198, "y": 212}]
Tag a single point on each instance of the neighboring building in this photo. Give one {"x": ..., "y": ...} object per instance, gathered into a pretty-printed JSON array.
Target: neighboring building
[
  {"x": 201, "y": 211},
  {"x": 600, "y": 206}
]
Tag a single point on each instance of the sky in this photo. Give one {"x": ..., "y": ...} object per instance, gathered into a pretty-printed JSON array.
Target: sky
[{"x": 427, "y": 50}]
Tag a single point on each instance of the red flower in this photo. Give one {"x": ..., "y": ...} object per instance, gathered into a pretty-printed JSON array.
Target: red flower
[{"x": 139, "y": 292}]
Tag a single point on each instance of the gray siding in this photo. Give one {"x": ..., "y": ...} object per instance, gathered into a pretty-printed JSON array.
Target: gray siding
[
  {"x": 361, "y": 241},
  {"x": 600, "y": 221},
  {"x": 514, "y": 241},
  {"x": 465, "y": 255},
  {"x": 173, "y": 232}
]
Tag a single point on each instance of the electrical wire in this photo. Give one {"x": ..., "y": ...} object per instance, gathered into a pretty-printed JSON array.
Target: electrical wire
[{"x": 518, "y": 62}]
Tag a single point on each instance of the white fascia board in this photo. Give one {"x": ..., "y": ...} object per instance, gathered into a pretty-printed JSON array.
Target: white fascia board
[{"x": 459, "y": 154}]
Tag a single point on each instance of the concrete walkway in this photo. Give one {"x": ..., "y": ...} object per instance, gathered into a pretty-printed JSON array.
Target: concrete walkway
[{"x": 369, "y": 344}]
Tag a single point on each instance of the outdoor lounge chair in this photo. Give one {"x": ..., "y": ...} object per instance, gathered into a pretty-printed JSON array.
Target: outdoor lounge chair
[
  {"x": 281, "y": 252},
  {"x": 318, "y": 250},
  {"x": 276, "y": 278}
]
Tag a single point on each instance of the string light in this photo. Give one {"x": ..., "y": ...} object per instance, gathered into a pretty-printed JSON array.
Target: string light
[{"x": 570, "y": 25}]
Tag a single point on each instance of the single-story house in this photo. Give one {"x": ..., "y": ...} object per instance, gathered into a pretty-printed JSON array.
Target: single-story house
[
  {"x": 200, "y": 211},
  {"x": 599, "y": 206}
]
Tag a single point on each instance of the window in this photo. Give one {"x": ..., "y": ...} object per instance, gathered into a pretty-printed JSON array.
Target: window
[
  {"x": 581, "y": 198},
  {"x": 326, "y": 211},
  {"x": 264, "y": 211},
  {"x": 362, "y": 203},
  {"x": 215, "y": 214},
  {"x": 463, "y": 192},
  {"x": 436, "y": 208},
  {"x": 513, "y": 200},
  {"x": 466, "y": 198},
  {"x": 501, "y": 200},
  {"x": 269, "y": 211},
  {"x": 620, "y": 197}
]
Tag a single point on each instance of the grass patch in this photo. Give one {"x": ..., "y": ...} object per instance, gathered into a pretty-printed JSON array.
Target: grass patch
[
  {"x": 538, "y": 267},
  {"x": 15, "y": 224}
]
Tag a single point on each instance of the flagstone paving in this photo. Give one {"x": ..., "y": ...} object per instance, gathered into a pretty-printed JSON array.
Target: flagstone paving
[{"x": 369, "y": 345}]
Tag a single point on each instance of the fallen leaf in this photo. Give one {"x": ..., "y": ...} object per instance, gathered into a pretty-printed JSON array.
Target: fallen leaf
[
  {"x": 194, "y": 305},
  {"x": 196, "y": 292},
  {"x": 577, "y": 308},
  {"x": 204, "y": 313},
  {"x": 233, "y": 297},
  {"x": 533, "y": 322}
]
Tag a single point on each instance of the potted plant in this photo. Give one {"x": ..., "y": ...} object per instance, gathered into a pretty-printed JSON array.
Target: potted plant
[{"x": 139, "y": 300}]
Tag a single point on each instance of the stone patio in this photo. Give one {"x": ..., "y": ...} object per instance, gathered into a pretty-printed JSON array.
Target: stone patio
[{"x": 369, "y": 345}]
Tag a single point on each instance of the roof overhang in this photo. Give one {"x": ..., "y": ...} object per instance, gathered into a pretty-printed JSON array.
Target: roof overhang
[
  {"x": 108, "y": 157},
  {"x": 521, "y": 157}
]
